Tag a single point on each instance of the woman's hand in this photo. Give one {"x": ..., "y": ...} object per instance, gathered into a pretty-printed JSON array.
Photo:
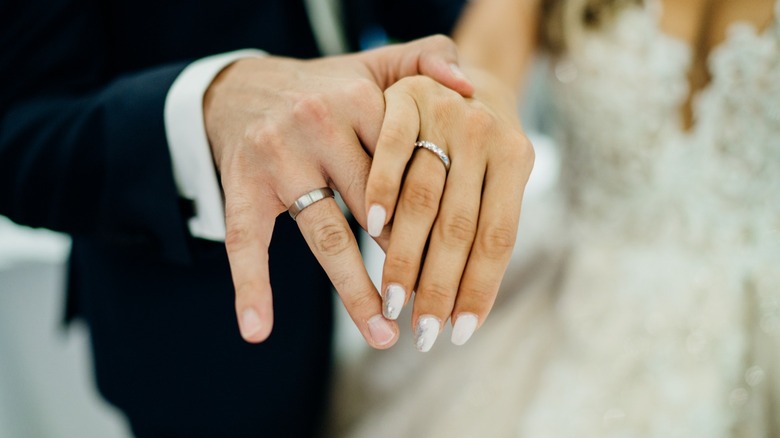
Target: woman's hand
[{"x": 462, "y": 223}]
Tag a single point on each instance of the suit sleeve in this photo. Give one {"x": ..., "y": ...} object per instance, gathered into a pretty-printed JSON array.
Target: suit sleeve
[{"x": 83, "y": 148}]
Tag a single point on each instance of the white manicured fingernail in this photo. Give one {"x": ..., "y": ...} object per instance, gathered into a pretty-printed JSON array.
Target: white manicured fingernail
[
  {"x": 464, "y": 327},
  {"x": 393, "y": 301},
  {"x": 376, "y": 220},
  {"x": 250, "y": 323},
  {"x": 426, "y": 332},
  {"x": 381, "y": 330}
]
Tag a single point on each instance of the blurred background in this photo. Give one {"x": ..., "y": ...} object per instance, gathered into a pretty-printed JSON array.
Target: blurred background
[{"x": 46, "y": 384}]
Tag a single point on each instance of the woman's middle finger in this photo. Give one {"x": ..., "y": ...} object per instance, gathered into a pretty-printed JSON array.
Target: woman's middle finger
[
  {"x": 450, "y": 242},
  {"x": 418, "y": 206}
]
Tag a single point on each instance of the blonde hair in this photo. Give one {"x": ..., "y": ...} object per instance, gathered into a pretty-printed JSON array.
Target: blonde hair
[{"x": 564, "y": 20}]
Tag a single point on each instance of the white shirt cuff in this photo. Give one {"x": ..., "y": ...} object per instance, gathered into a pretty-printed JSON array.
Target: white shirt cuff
[{"x": 193, "y": 166}]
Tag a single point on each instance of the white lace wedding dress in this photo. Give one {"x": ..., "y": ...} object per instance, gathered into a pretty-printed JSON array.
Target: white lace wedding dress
[{"x": 654, "y": 310}]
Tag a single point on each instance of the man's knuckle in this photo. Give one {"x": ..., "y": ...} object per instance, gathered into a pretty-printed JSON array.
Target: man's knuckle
[
  {"x": 341, "y": 279},
  {"x": 236, "y": 238},
  {"x": 246, "y": 288},
  {"x": 311, "y": 108},
  {"x": 331, "y": 238},
  {"x": 358, "y": 302},
  {"x": 258, "y": 134},
  {"x": 362, "y": 87}
]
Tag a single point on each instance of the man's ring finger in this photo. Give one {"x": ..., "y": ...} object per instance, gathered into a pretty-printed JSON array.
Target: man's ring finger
[{"x": 309, "y": 199}]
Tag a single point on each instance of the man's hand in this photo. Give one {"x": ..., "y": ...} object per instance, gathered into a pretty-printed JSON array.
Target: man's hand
[{"x": 280, "y": 128}]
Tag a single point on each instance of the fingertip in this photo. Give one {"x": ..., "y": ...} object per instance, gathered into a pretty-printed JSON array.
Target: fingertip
[
  {"x": 377, "y": 215},
  {"x": 383, "y": 333},
  {"x": 452, "y": 77},
  {"x": 463, "y": 328},
  {"x": 425, "y": 332},
  {"x": 462, "y": 84},
  {"x": 448, "y": 73},
  {"x": 252, "y": 327},
  {"x": 393, "y": 301}
]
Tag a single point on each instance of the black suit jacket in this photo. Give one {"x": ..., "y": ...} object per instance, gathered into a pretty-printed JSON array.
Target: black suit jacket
[{"x": 83, "y": 151}]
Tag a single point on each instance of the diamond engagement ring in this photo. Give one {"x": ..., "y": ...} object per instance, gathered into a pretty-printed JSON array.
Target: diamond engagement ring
[
  {"x": 309, "y": 199},
  {"x": 436, "y": 150}
]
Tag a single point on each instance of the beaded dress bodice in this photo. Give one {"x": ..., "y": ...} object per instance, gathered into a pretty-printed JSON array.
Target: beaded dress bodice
[
  {"x": 675, "y": 273},
  {"x": 629, "y": 165}
]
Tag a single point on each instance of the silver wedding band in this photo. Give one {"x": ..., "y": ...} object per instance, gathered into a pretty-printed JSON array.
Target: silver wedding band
[
  {"x": 436, "y": 150},
  {"x": 308, "y": 199}
]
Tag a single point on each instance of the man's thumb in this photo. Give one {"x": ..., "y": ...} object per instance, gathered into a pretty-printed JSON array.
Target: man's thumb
[{"x": 434, "y": 56}]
